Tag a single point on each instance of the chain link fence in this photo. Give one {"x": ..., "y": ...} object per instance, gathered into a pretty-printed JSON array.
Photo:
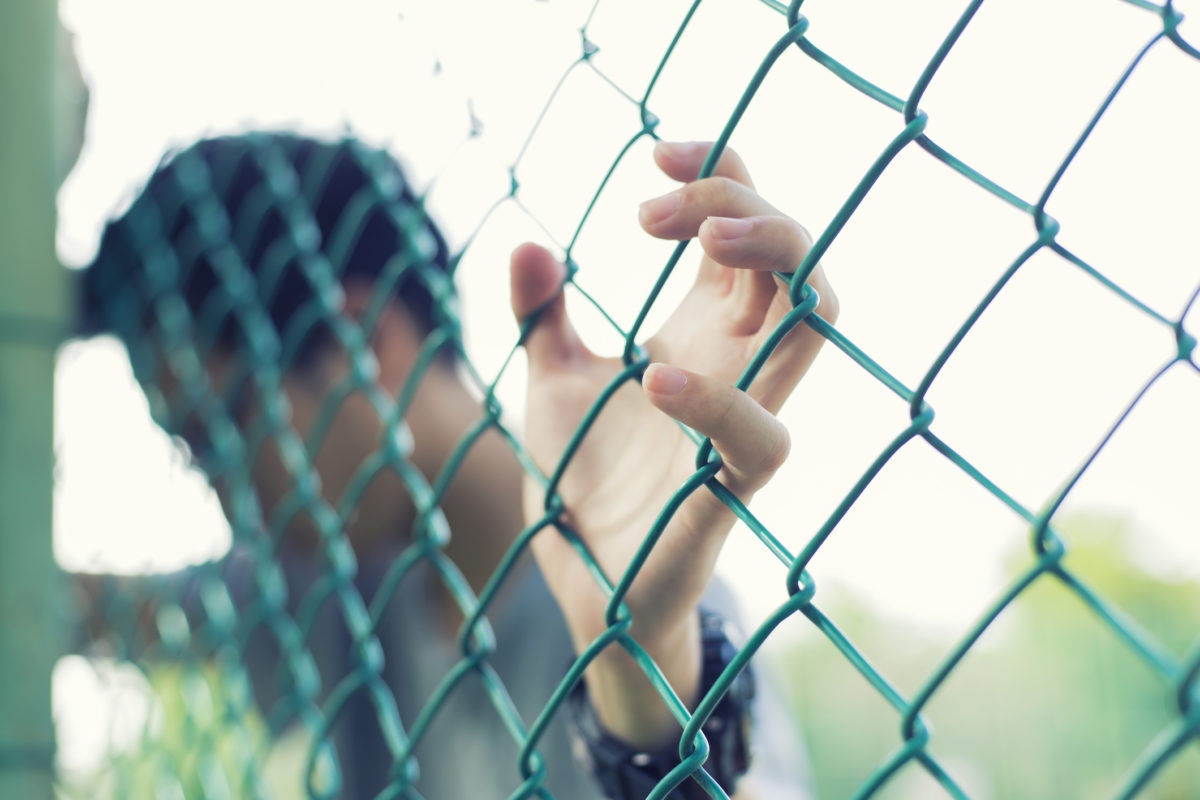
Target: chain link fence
[{"x": 178, "y": 269}]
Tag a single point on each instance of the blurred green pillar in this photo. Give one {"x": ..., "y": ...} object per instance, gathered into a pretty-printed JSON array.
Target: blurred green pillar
[{"x": 32, "y": 314}]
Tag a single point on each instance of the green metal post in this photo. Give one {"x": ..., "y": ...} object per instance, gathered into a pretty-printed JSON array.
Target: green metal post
[{"x": 32, "y": 313}]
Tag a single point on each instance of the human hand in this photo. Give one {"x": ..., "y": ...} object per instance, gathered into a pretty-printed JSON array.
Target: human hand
[{"x": 635, "y": 456}]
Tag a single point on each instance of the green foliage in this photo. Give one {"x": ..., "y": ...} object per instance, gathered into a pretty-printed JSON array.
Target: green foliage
[
  {"x": 1050, "y": 703},
  {"x": 201, "y": 740}
]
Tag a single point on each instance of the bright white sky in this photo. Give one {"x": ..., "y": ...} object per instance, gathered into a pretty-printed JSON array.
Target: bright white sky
[{"x": 1028, "y": 395}]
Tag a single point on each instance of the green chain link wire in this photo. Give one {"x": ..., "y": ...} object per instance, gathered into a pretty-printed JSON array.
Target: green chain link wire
[{"x": 218, "y": 714}]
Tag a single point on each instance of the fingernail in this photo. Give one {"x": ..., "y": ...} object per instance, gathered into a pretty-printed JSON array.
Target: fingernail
[
  {"x": 729, "y": 228},
  {"x": 661, "y": 379},
  {"x": 658, "y": 209}
]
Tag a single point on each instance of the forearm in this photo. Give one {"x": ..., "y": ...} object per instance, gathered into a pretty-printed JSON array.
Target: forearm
[
  {"x": 625, "y": 770},
  {"x": 628, "y": 705},
  {"x": 635, "y": 470}
]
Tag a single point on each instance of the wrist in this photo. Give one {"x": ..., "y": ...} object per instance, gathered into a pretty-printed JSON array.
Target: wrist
[
  {"x": 626, "y": 770},
  {"x": 627, "y": 704}
]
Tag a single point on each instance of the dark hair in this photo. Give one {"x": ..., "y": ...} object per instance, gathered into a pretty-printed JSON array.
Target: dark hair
[{"x": 267, "y": 222}]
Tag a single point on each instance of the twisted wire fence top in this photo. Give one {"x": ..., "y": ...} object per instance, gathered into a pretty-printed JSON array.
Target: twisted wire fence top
[{"x": 229, "y": 747}]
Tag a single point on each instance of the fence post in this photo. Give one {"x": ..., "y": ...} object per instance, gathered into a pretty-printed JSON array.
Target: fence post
[{"x": 32, "y": 313}]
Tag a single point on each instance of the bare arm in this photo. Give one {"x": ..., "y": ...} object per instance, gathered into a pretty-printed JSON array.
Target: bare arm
[{"x": 635, "y": 456}]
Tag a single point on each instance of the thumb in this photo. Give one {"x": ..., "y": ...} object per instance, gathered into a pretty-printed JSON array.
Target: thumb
[
  {"x": 752, "y": 442},
  {"x": 536, "y": 280}
]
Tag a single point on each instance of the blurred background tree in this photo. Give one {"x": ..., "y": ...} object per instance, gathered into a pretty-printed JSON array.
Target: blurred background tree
[{"x": 1050, "y": 703}]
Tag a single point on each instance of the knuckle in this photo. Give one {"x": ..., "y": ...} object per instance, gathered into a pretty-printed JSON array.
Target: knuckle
[
  {"x": 733, "y": 166},
  {"x": 791, "y": 243},
  {"x": 709, "y": 194},
  {"x": 776, "y": 450},
  {"x": 725, "y": 416},
  {"x": 732, "y": 160},
  {"x": 801, "y": 235}
]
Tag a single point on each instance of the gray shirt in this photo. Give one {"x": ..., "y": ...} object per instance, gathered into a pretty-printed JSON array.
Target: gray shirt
[{"x": 468, "y": 749}]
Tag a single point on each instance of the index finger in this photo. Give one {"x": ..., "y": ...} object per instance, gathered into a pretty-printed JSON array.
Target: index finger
[{"x": 682, "y": 161}]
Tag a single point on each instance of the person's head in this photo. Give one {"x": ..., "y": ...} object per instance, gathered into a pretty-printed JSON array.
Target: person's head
[{"x": 268, "y": 267}]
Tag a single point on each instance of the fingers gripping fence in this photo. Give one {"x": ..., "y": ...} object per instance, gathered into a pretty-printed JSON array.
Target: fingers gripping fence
[{"x": 229, "y": 608}]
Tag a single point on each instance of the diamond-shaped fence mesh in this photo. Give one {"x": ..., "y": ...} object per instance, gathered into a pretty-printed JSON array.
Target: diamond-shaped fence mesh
[{"x": 254, "y": 245}]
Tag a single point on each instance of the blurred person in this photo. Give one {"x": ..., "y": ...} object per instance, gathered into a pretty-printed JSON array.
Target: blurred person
[{"x": 326, "y": 247}]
